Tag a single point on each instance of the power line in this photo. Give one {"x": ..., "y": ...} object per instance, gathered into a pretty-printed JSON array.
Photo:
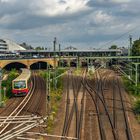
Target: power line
[{"x": 117, "y": 38}]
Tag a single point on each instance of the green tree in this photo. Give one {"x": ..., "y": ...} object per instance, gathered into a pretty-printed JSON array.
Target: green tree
[
  {"x": 8, "y": 83},
  {"x": 26, "y": 46},
  {"x": 136, "y": 48},
  {"x": 113, "y": 47},
  {"x": 39, "y": 48}
]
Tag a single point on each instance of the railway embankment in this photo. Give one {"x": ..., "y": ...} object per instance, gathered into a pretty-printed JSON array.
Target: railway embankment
[
  {"x": 134, "y": 94},
  {"x": 55, "y": 95}
]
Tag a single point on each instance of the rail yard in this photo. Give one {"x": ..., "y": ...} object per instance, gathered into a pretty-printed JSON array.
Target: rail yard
[
  {"x": 93, "y": 106},
  {"x": 69, "y": 70}
]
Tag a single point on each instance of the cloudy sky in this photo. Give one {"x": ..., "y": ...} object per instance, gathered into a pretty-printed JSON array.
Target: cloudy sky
[{"x": 79, "y": 23}]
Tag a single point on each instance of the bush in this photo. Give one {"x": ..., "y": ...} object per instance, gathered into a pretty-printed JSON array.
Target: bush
[
  {"x": 8, "y": 83},
  {"x": 137, "y": 107},
  {"x": 131, "y": 87},
  {"x": 55, "y": 95}
]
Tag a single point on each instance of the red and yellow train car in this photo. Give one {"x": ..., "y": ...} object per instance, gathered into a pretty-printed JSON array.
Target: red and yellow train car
[{"x": 22, "y": 84}]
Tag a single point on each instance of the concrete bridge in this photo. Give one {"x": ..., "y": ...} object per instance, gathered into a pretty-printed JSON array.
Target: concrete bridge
[{"x": 28, "y": 62}]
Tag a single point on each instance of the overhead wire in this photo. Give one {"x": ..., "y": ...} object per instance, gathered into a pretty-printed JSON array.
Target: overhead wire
[{"x": 117, "y": 38}]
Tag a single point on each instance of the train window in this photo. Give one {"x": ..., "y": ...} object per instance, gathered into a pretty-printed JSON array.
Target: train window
[{"x": 19, "y": 84}]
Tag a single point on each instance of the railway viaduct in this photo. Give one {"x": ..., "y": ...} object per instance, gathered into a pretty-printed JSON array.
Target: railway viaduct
[{"x": 29, "y": 62}]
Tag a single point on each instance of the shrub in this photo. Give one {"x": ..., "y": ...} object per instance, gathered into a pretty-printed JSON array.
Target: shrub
[
  {"x": 8, "y": 83},
  {"x": 137, "y": 107}
]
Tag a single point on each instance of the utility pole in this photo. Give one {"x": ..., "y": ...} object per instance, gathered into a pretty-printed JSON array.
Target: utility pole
[
  {"x": 54, "y": 81},
  {"x": 0, "y": 87},
  {"x": 54, "y": 45},
  {"x": 59, "y": 48},
  {"x": 48, "y": 90},
  {"x": 130, "y": 53},
  {"x": 59, "y": 53},
  {"x": 136, "y": 78},
  {"x": 77, "y": 62}
]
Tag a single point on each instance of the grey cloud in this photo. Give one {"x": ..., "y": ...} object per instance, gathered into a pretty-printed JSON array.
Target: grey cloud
[
  {"x": 104, "y": 21},
  {"x": 25, "y": 18}
]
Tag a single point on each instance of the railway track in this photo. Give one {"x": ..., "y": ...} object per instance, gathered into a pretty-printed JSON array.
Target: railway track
[
  {"x": 22, "y": 110},
  {"x": 127, "y": 127},
  {"x": 105, "y": 93},
  {"x": 107, "y": 111},
  {"x": 73, "y": 113},
  {"x": 10, "y": 106},
  {"x": 37, "y": 101}
]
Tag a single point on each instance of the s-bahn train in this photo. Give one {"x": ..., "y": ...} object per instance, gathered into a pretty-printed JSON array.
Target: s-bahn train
[{"x": 22, "y": 84}]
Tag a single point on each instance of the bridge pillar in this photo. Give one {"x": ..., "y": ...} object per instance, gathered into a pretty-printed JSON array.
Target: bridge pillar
[{"x": 28, "y": 66}]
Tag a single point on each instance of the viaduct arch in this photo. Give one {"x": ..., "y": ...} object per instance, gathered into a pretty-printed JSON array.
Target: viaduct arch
[{"x": 28, "y": 62}]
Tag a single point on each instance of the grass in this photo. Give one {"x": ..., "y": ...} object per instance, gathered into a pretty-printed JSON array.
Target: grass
[
  {"x": 134, "y": 91},
  {"x": 55, "y": 97},
  {"x": 77, "y": 71},
  {"x": 131, "y": 87}
]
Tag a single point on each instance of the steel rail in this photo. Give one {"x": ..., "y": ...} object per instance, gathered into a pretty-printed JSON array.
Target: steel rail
[
  {"x": 127, "y": 128},
  {"x": 80, "y": 123},
  {"x": 13, "y": 129},
  {"x": 76, "y": 88},
  {"x": 18, "y": 109},
  {"x": 23, "y": 129},
  {"x": 67, "y": 106},
  {"x": 101, "y": 129},
  {"x": 90, "y": 90},
  {"x": 33, "y": 107},
  {"x": 114, "y": 104}
]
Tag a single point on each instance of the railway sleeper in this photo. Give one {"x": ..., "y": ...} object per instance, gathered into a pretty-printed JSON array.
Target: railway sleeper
[{"x": 68, "y": 101}]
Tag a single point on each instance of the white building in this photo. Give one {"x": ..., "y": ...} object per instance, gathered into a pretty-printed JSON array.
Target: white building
[{"x": 7, "y": 45}]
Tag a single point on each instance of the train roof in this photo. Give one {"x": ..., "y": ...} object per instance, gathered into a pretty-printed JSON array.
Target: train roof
[{"x": 25, "y": 75}]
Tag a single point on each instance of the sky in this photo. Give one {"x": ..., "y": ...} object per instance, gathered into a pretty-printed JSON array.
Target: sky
[{"x": 84, "y": 24}]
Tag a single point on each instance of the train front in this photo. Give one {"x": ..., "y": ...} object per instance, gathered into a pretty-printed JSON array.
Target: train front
[{"x": 19, "y": 88}]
